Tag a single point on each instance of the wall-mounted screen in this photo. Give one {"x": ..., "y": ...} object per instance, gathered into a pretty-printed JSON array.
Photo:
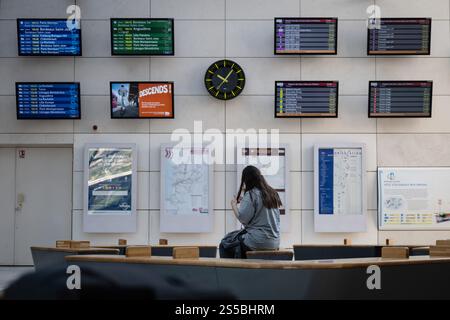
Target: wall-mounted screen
[
  {"x": 305, "y": 35},
  {"x": 48, "y": 37},
  {"x": 110, "y": 188},
  {"x": 48, "y": 100},
  {"x": 339, "y": 188},
  {"x": 389, "y": 99},
  {"x": 142, "y": 36},
  {"x": 413, "y": 199},
  {"x": 307, "y": 99},
  {"x": 390, "y": 36},
  {"x": 142, "y": 100}
]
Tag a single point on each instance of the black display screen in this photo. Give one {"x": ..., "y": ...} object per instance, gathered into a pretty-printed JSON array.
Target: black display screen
[
  {"x": 400, "y": 98},
  {"x": 391, "y": 36},
  {"x": 306, "y": 99},
  {"x": 305, "y": 36}
]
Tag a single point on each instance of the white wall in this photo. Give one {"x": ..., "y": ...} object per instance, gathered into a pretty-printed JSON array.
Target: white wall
[{"x": 242, "y": 30}]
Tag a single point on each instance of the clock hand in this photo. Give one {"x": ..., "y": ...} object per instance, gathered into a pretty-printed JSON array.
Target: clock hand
[
  {"x": 221, "y": 83},
  {"x": 229, "y": 73},
  {"x": 222, "y": 78}
]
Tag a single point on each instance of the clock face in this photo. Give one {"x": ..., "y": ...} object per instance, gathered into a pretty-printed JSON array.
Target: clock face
[{"x": 224, "y": 79}]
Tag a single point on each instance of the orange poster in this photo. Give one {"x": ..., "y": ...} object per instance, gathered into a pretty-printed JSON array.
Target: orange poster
[{"x": 156, "y": 100}]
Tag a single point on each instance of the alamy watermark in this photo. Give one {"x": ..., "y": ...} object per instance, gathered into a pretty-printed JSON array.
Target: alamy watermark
[
  {"x": 226, "y": 147},
  {"x": 73, "y": 20}
]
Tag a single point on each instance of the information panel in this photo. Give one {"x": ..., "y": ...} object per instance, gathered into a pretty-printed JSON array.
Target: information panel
[
  {"x": 110, "y": 188},
  {"x": 48, "y": 37},
  {"x": 390, "y": 36},
  {"x": 413, "y": 198},
  {"x": 400, "y": 98},
  {"x": 305, "y": 35},
  {"x": 142, "y": 100},
  {"x": 306, "y": 99},
  {"x": 186, "y": 189},
  {"x": 48, "y": 100},
  {"x": 273, "y": 163},
  {"x": 339, "y": 188},
  {"x": 142, "y": 36}
]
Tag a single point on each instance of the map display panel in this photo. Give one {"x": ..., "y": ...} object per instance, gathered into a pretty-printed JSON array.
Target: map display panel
[
  {"x": 186, "y": 188},
  {"x": 339, "y": 188}
]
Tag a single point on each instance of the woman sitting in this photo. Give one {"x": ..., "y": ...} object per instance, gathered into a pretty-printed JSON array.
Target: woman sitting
[{"x": 258, "y": 211}]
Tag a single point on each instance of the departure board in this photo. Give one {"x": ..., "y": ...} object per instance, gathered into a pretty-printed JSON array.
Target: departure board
[
  {"x": 47, "y": 37},
  {"x": 390, "y": 36},
  {"x": 400, "y": 98},
  {"x": 59, "y": 100},
  {"x": 142, "y": 36},
  {"x": 306, "y": 99},
  {"x": 305, "y": 36}
]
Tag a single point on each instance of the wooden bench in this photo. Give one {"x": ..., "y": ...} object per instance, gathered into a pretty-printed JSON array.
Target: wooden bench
[
  {"x": 264, "y": 279},
  {"x": 283, "y": 255},
  {"x": 49, "y": 256}
]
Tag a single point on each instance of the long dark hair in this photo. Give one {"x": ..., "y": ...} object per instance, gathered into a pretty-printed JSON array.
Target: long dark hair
[{"x": 252, "y": 178}]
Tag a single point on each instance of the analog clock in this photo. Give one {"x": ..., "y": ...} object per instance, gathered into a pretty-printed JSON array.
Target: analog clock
[{"x": 224, "y": 79}]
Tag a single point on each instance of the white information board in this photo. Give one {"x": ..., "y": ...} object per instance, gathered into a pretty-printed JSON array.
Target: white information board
[
  {"x": 187, "y": 189},
  {"x": 110, "y": 182},
  {"x": 273, "y": 164},
  {"x": 340, "y": 188},
  {"x": 414, "y": 198}
]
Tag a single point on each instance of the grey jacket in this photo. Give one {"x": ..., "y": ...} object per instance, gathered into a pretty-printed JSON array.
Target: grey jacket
[{"x": 262, "y": 224}]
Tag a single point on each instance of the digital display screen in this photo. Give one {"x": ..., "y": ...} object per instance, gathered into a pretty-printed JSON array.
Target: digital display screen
[
  {"x": 142, "y": 100},
  {"x": 48, "y": 100},
  {"x": 48, "y": 37},
  {"x": 306, "y": 99},
  {"x": 305, "y": 35},
  {"x": 142, "y": 36},
  {"x": 400, "y": 98},
  {"x": 390, "y": 36}
]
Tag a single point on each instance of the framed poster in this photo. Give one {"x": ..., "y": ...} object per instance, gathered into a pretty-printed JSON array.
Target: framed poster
[
  {"x": 340, "y": 188},
  {"x": 274, "y": 166},
  {"x": 110, "y": 188},
  {"x": 413, "y": 198},
  {"x": 187, "y": 189}
]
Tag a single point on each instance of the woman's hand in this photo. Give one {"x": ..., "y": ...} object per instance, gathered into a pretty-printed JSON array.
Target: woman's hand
[{"x": 234, "y": 206}]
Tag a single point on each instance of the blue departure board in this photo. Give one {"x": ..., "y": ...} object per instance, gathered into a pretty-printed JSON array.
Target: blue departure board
[
  {"x": 59, "y": 100},
  {"x": 47, "y": 37}
]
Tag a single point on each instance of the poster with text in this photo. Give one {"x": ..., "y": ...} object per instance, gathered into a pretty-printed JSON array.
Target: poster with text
[
  {"x": 414, "y": 198},
  {"x": 142, "y": 100},
  {"x": 110, "y": 180},
  {"x": 110, "y": 188}
]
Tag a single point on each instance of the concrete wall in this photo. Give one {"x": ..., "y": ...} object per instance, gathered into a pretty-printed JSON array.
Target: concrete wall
[{"x": 242, "y": 30}]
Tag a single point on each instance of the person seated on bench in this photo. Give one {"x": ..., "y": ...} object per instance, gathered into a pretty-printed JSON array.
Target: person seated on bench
[{"x": 258, "y": 211}]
